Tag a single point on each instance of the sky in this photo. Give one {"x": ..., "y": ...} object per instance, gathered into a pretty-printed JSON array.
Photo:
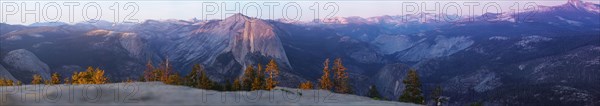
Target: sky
[{"x": 29, "y": 11}]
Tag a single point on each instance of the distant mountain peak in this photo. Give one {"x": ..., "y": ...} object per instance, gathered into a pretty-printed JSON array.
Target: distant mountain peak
[
  {"x": 586, "y": 6},
  {"x": 238, "y": 17},
  {"x": 575, "y": 2}
]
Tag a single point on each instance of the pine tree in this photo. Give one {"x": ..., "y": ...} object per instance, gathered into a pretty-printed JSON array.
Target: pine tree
[
  {"x": 141, "y": 78},
  {"x": 156, "y": 74},
  {"x": 236, "y": 85},
  {"x": 205, "y": 82},
  {"x": 129, "y": 80},
  {"x": 192, "y": 79},
  {"x": 258, "y": 83},
  {"x": 273, "y": 72},
  {"x": 248, "y": 78},
  {"x": 228, "y": 86},
  {"x": 149, "y": 74},
  {"x": 55, "y": 78},
  {"x": 306, "y": 85},
  {"x": 325, "y": 81},
  {"x": 37, "y": 79},
  {"x": 476, "y": 104},
  {"x": 216, "y": 86},
  {"x": 412, "y": 89},
  {"x": 341, "y": 80},
  {"x": 373, "y": 93},
  {"x": 436, "y": 95},
  {"x": 165, "y": 71}
]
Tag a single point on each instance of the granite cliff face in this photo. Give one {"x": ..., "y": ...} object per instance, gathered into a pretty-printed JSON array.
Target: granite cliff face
[
  {"x": 227, "y": 46},
  {"x": 24, "y": 64},
  {"x": 241, "y": 35},
  {"x": 5, "y": 74}
]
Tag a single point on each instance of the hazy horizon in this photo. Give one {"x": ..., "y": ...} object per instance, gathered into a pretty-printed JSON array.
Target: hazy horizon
[{"x": 138, "y": 11}]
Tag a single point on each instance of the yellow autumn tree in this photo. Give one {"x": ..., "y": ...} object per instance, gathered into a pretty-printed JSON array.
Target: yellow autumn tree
[
  {"x": 306, "y": 85},
  {"x": 98, "y": 77},
  {"x": 37, "y": 79},
  {"x": 77, "y": 78},
  {"x": 173, "y": 79},
  {"x": 9, "y": 82},
  {"x": 90, "y": 76},
  {"x": 82, "y": 77},
  {"x": 325, "y": 81},
  {"x": 3, "y": 82},
  {"x": 55, "y": 79},
  {"x": 273, "y": 72}
]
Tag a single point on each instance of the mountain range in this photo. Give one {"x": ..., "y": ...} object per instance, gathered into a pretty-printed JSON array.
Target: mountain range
[{"x": 550, "y": 57}]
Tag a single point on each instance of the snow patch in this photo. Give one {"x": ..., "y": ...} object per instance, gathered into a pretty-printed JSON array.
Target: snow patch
[
  {"x": 576, "y": 23},
  {"x": 521, "y": 67},
  {"x": 571, "y": 94},
  {"x": 528, "y": 40},
  {"x": 41, "y": 44},
  {"x": 14, "y": 38},
  {"x": 36, "y": 35},
  {"x": 596, "y": 49},
  {"x": 498, "y": 38},
  {"x": 596, "y": 61}
]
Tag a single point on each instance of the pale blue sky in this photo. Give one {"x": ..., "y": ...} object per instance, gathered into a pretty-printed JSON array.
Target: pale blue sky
[{"x": 185, "y": 10}]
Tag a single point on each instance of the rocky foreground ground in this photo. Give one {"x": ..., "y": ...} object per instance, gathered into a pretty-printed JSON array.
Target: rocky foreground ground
[{"x": 156, "y": 93}]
